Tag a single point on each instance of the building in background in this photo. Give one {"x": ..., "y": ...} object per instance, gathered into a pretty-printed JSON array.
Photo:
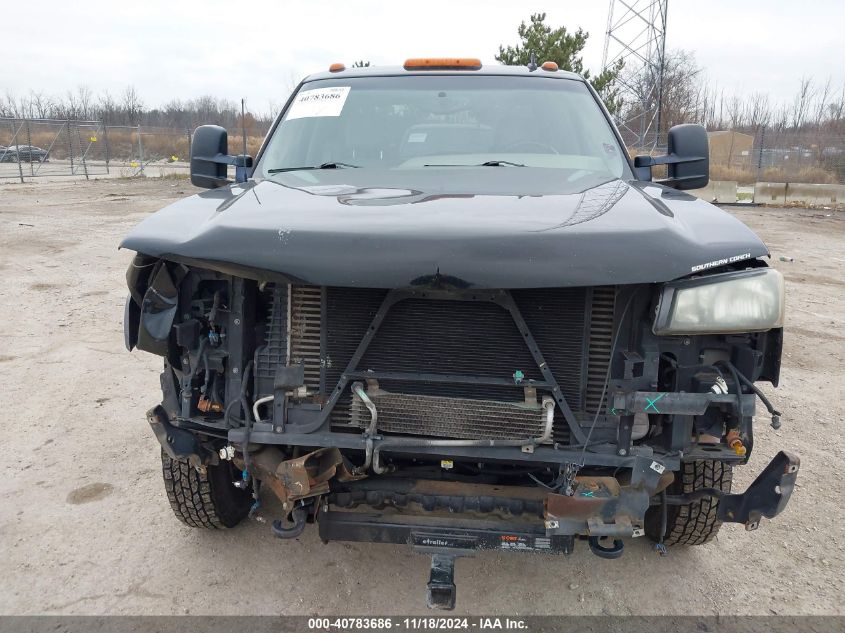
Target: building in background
[{"x": 730, "y": 148}]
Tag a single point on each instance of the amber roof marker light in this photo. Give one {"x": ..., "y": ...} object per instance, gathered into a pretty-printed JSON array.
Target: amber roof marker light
[
  {"x": 336, "y": 67},
  {"x": 442, "y": 63},
  {"x": 550, "y": 66}
]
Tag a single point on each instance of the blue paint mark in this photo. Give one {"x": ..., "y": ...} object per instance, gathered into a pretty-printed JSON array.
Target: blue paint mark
[{"x": 651, "y": 403}]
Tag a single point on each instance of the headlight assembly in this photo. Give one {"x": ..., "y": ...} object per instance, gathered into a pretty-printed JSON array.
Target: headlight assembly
[{"x": 735, "y": 302}]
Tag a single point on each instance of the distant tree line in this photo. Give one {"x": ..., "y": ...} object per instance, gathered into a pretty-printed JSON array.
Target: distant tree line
[
  {"x": 689, "y": 96},
  {"x": 129, "y": 109}
]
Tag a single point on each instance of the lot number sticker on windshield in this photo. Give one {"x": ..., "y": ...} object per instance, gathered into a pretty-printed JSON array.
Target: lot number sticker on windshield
[{"x": 319, "y": 102}]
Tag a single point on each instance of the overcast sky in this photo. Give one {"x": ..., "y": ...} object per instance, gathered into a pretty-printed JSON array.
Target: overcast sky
[{"x": 256, "y": 49}]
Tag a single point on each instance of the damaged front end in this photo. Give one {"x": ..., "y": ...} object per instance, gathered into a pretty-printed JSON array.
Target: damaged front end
[
  {"x": 452, "y": 519},
  {"x": 457, "y": 419}
]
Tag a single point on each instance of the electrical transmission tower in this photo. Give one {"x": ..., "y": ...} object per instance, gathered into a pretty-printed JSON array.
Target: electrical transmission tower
[{"x": 636, "y": 34}]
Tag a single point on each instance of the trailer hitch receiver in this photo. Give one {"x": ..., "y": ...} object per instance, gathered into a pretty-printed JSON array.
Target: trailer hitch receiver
[{"x": 441, "y": 583}]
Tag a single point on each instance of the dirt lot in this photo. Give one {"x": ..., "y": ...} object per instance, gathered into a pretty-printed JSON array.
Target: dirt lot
[{"x": 85, "y": 526}]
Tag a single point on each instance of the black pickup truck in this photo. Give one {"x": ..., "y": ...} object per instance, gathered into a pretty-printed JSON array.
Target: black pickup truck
[{"x": 444, "y": 308}]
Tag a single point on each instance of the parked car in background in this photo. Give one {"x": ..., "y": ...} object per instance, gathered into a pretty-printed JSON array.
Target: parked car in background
[{"x": 27, "y": 154}]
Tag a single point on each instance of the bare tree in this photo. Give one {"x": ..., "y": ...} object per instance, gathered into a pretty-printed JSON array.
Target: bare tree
[
  {"x": 107, "y": 108},
  {"x": 821, "y": 102},
  {"x": 85, "y": 101},
  {"x": 42, "y": 105},
  {"x": 132, "y": 105},
  {"x": 801, "y": 102},
  {"x": 758, "y": 111}
]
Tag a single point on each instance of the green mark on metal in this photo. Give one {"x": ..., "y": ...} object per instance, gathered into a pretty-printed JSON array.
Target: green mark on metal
[
  {"x": 612, "y": 410},
  {"x": 587, "y": 494},
  {"x": 651, "y": 402},
  {"x": 518, "y": 376}
]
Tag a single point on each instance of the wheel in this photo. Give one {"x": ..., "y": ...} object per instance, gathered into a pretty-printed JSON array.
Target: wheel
[
  {"x": 207, "y": 500},
  {"x": 694, "y": 523}
]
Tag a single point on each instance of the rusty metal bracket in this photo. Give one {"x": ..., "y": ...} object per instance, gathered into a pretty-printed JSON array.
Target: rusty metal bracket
[
  {"x": 303, "y": 477},
  {"x": 598, "y": 507},
  {"x": 601, "y": 506}
]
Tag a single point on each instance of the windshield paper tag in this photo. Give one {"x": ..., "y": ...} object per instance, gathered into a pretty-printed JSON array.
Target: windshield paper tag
[{"x": 318, "y": 102}]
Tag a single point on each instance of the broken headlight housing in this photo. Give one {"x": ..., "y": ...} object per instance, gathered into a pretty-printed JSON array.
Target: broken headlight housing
[{"x": 734, "y": 302}]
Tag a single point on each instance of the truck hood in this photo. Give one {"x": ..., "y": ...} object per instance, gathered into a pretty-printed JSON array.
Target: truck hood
[{"x": 487, "y": 227}]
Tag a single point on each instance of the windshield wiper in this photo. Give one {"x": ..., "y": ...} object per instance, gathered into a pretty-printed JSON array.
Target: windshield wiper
[
  {"x": 501, "y": 163},
  {"x": 330, "y": 165},
  {"x": 489, "y": 163}
]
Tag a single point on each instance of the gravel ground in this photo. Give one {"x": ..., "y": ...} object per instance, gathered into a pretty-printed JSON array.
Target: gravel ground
[{"x": 85, "y": 527}]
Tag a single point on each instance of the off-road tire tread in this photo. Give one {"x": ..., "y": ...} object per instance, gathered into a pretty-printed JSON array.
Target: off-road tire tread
[
  {"x": 695, "y": 523},
  {"x": 196, "y": 498}
]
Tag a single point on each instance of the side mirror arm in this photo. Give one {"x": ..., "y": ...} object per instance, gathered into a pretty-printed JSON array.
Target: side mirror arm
[
  {"x": 242, "y": 163},
  {"x": 651, "y": 161},
  {"x": 643, "y": 165}
]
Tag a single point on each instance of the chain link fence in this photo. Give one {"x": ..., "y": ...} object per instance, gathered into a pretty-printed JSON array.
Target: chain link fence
[
  {"x": 141, "y": 150},
  {"x": 771, "y": 155},
  {"x": 45, "y": 147},
  {"x": 33, "y": 148},
  {"x": 765, "y": 155}
]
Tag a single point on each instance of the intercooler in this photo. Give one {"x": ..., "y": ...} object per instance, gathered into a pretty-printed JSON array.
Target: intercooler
[{"x": 572, "y": 328}]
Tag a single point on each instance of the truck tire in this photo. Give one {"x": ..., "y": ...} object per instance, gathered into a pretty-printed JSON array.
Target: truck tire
[
  {"x": 207, "y": 500},
  {"x": 694, "y": 523}
]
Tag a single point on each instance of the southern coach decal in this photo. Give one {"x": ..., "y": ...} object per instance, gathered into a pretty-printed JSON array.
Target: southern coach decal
[{"x": 721, "y": 262}]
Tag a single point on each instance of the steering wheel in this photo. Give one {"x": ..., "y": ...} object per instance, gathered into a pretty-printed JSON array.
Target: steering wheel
[{"x": 517, "y": 144}]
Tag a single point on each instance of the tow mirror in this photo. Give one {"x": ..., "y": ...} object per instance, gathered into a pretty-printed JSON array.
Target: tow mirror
[
  {"x": 687, "y": 160},
  {"x": 210, "y": 158}
]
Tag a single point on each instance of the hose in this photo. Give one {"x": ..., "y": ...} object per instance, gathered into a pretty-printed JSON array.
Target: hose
[
  {"x": 358, "y": 390},
  {"x": 258, "y": 403},
  {"x": 740, "y": 378}
]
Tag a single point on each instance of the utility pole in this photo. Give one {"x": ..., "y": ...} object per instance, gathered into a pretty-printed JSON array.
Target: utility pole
[{"x": 636, "y": 34}]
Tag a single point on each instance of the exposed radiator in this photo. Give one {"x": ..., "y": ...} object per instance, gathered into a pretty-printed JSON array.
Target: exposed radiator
[
  {"x": 573, "y": 328},
  {"x": 602, "y": 309},
  {"x": 450, "y": 417}
]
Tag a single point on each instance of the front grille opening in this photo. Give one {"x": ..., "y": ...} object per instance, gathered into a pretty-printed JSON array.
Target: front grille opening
[
  {"x": 322, "y": 328},
  {"x": 450, "y": 337}
]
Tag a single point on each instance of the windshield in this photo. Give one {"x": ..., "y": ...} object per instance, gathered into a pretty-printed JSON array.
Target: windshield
[{"x": 424, "y": 122}]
